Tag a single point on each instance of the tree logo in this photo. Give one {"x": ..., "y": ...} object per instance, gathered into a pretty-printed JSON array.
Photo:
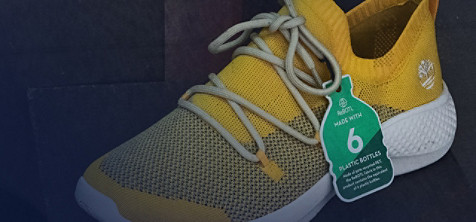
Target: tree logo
[{"x": 426, "y": 72}]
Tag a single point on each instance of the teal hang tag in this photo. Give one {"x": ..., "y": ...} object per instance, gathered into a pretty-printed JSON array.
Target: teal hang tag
[{"x": 352, "y": 139}]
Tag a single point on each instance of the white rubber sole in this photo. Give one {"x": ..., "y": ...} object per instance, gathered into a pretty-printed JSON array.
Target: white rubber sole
[
  {"x": 96, "y": 204},
  {"x": 416, "y": 138}
]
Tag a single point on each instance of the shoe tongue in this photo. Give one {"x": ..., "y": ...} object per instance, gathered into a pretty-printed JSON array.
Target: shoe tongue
[
  {"x": 327, "y": 22},
  {"x": 258, "y": 82}
]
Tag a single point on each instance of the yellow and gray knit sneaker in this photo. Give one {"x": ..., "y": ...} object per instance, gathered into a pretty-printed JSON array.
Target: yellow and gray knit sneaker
[{"x": 243, "y": 146}]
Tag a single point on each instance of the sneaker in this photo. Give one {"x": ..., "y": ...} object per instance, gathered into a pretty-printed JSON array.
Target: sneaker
[{"x": 244, "y": 146}]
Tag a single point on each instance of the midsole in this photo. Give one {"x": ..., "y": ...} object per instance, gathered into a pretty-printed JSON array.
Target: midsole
[{"x": 422, "y": 130}]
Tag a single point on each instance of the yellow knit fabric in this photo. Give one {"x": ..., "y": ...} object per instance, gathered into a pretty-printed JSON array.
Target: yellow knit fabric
[{"x": 391, "y": 80}]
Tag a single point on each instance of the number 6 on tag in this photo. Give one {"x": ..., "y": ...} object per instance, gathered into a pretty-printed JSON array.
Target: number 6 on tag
[{"x": 353, "y": 138}]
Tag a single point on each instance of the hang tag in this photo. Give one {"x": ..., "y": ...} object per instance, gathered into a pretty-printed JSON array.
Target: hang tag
[{"x": 352, "y": 139}]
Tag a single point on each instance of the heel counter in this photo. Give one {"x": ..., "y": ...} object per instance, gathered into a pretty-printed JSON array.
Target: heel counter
[
  {"x": 429, "y": 67},
  {"x": 420, "y": 79}
]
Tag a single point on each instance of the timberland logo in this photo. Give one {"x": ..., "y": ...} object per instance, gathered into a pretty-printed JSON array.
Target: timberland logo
[{"x": 426, "y": 72}]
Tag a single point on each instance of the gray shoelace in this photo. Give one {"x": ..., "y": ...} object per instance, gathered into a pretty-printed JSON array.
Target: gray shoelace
[{"x": 293, "y": 29}]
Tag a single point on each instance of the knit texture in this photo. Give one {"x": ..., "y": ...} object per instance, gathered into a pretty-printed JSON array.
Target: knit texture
[{"x": 182, "y": 157}]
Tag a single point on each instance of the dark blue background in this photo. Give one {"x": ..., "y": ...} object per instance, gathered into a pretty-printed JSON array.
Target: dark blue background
[{"x": 78, "y": 78}]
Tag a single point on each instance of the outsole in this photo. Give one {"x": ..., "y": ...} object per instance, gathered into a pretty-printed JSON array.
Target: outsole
[
  {"x": 429, "y": 150},
  {"x": 96, "y": 204}
]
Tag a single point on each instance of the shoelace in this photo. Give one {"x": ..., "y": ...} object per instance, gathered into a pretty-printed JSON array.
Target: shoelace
[{"x": 292, "y": 28}]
